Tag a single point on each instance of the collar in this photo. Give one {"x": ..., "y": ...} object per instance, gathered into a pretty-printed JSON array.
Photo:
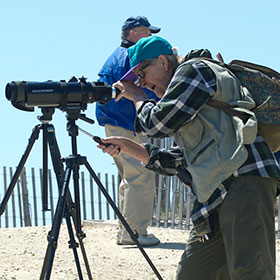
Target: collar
[{"x": 126, "y": 44}]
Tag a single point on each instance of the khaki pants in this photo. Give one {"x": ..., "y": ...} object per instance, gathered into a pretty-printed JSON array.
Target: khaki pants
[
  {"x": 137, "y": 187},
  {"x": 244, "y": 248}
]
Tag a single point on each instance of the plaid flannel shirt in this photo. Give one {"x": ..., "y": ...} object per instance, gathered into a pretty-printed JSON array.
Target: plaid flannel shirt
[{"x": 193, "y": 84}]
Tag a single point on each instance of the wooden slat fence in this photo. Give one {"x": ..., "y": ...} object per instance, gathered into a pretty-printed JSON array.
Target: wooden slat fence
[
  {"x": 173, "y": 199},
  {"x": 172, "y": 206},
  {"x": 24, "y": 208}
]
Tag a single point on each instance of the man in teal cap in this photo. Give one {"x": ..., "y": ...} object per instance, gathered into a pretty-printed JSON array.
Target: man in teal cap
[{"x": 234, "y": 173}]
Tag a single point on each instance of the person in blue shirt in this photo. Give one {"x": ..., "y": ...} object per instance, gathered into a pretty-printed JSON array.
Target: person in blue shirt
[{"x": 137, "y": 186}]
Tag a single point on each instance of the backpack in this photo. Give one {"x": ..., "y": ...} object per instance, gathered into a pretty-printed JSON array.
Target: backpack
[{"x": 264, "y": 85}]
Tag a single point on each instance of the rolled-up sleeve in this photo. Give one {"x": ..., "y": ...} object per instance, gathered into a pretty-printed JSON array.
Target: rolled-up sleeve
[{"x": 164, "y": 161}]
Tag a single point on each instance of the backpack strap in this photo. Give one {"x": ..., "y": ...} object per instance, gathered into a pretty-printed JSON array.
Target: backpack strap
[
  {"x": 274, "y": 75},
  {"x": 225, "y": 107},
  {"x": 265, "y": 70}
]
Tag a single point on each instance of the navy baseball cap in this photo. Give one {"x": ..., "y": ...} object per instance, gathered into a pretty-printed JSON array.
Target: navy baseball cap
[{"x": 132, "y": 22}]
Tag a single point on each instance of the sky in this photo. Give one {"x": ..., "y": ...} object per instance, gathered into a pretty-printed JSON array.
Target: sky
[{"x": 55, "y": 40}]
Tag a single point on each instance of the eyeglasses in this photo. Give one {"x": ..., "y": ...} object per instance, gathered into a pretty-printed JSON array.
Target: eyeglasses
[{"x": 141, "y": 73}]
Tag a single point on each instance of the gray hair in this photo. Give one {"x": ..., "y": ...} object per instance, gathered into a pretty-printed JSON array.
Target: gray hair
[
  {"x": 174, "y": 60},
  {"x": 125, "y": 34}
]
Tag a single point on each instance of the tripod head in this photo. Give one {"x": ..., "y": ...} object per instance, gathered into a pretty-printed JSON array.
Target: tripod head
[
  {"x": 73, "y": 114},
  {"x": 47, "y": 113}
]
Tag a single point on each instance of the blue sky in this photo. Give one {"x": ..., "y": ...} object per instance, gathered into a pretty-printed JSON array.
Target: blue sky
[{"x": 55, "y": 40}]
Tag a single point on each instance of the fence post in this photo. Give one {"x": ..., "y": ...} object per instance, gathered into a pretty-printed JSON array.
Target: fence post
[
  {"x": 99, "y": 199},
  {"x": 41, "y": 182},
  {"x": 166, "y": 200},
  {"x": 174, "y": 199},
  {"x": 188, "y": 207},
  {"x": 34, "y": 196},
  {"x": 83, "y": 195},
  {"x": 26, "y": 212},
  {"x": 19, "y": 203},
  {"x": 181, "y": 204},
  {"x": 160, "y": 184},
  {"x": 5, "y": 189},
  {"x": 114, "y": 193},
  {"x": 278, "y": 234},
  {"x": 51, "y": 194},
  {"x": 13, "y": 200},
  {"x": 91, "y": 197},
  {"x": 107, "y": 203}
]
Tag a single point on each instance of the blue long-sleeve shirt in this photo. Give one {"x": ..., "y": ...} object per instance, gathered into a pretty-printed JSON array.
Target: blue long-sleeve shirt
[{"x": 121, "y": 113}]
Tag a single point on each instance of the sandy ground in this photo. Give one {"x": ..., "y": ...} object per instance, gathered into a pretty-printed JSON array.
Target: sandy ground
[{"x": 22, "y": 252}]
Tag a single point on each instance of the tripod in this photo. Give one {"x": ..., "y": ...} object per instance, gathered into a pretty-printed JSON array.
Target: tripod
[{"x": 66, "y": 208}]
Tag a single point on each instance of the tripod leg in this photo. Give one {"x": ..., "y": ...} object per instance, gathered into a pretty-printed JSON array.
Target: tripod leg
[
  {"x": 133, "y": 235},
  {"x": 34, "y": 136},
  {"x": 72, "y": 243},
  {"x": 70, "y": 209},
  {"x": 45, "y": 168},
  {"x": 53, "y": 235}
]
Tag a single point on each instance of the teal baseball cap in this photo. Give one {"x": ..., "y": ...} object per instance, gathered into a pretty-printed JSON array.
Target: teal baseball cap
[{"x": 146, "y": 48}]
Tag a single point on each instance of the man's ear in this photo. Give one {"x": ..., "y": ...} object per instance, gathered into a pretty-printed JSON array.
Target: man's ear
[
  {"x": 131, "y": 36},
  {"x": 164, "y": 61}
]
